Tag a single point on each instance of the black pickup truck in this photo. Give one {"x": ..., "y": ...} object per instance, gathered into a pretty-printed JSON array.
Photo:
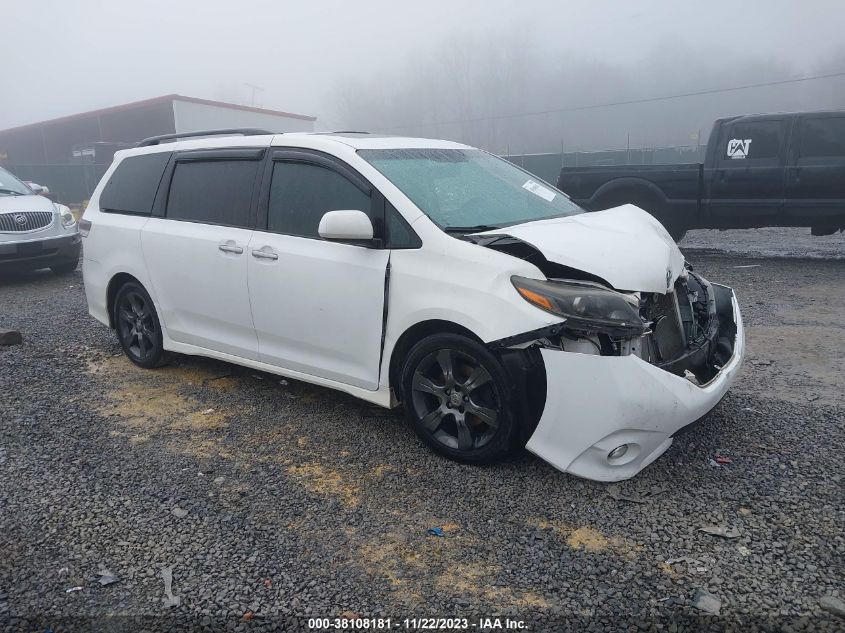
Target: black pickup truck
[{"x": 759, "y": 170}]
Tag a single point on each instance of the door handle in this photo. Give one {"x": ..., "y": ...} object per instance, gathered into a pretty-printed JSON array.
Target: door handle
[
  {"x": 229, "y": 248},
  {"x": 265, "y": 255}
]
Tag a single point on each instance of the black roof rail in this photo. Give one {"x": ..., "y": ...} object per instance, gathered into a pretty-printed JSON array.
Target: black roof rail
[
  {"x": 243, "y": 131},
  {"x": 348, "y": 132}
]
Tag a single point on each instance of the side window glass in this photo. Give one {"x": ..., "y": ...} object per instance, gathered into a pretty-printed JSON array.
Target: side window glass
[
  {"x": 133, "y": 185},
  {"x": 753, "y": 140},
  {"x": 301, "y": 193},
  {"x": 398, "y": 232},
  {"x": 213, "y": 192},
  {"x": 823, "y": 137}
]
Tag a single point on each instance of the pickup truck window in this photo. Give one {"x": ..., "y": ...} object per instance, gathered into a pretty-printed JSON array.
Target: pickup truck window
[
  {"x": 753, "y": 140},
  {"x": 463, "y": 188},
  {"x": 822, "y": 137}
]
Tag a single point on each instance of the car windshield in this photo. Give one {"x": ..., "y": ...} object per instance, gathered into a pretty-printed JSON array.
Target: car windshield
[
  {"x": 11, "y": 186},
  {"x": 469, "y": 189}
]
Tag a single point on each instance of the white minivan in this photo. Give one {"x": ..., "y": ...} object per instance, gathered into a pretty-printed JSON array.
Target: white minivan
[{"x": 414, "y": 271}]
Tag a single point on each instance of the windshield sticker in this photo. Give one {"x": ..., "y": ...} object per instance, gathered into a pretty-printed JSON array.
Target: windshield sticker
[
  {"x": 539, "y": 190},
  {"x": 739, "y": 148}
]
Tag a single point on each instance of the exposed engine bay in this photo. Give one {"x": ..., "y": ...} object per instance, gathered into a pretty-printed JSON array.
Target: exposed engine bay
[
  {"x": 692, "y": 330},
  {"x": 688, "y": 331}
]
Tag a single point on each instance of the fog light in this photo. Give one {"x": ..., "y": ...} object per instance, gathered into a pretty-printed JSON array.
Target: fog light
[{"x": 618, "y": 452}]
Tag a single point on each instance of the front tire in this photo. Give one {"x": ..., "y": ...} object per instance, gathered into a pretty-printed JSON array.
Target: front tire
[
  {"x": 458, "y": 399},
  {"x": 137, "y": 326}
]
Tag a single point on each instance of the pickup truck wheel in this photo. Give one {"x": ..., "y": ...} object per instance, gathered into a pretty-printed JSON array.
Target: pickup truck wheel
[
  {"x": 64, "y": 269},
  {"x": 458, "y": 399},
  {"x": 676, "y": 233},
  {"x": 647, "y": 203}
]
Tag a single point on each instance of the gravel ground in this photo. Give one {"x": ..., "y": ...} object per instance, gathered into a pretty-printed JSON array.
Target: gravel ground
[{"x": 274, "y": 501}]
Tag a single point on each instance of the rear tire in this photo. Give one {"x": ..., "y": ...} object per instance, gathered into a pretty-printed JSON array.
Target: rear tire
[
  {"x": 651, "y": 204},
  {"x": 137, "y": 326},
  {"x": 458, "y": 399}
]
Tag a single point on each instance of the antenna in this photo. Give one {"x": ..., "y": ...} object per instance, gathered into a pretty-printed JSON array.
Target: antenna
[{"x": 254, "y": 89}]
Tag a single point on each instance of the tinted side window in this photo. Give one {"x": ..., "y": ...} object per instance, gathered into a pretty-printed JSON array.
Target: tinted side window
[
  {"x": 213, "y": 192},
  {"x": 753, "y": 140},
  {"x": 301, "y": 193},
  {"x": 133, "y": 185},
  {"x": 398, "y": 233},
  {"x": 823, "y": 137}
]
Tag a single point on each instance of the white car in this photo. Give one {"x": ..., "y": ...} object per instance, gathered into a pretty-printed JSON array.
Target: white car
[
  {"x": 414, "y": 271},
  {"x": 34, "y": 231}
]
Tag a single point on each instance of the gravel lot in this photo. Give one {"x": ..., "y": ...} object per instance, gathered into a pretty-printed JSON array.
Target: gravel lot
[{"x": 294, "y": 501}]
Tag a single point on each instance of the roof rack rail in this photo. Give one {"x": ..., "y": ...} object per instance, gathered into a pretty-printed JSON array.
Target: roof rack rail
[
  {"x": 243, "y": 131},
  {"x": 348, "y": 132}
]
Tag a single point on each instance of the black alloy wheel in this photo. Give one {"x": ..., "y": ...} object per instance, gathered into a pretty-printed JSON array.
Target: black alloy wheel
[
  {"x": 457, "y": 398},
  {"x": 137, "y": 326}
]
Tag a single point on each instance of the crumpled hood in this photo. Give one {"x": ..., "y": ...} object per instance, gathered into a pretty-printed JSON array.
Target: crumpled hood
[
  {"x": 11, "y": 204},
  {"x": 625, "y": 246}
]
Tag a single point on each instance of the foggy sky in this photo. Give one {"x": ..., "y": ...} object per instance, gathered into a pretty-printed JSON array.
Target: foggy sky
[{"x": 66, "y": 57}]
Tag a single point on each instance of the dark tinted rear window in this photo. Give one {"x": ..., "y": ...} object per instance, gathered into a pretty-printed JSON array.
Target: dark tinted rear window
[
  {"x": 133, "y": 185},
  {"x": 213, "y": 192},
  {"x": 821, "y": 137}
]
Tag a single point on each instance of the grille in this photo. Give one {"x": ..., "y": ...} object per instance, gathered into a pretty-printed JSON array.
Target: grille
[{"x": 19, "y": 222}]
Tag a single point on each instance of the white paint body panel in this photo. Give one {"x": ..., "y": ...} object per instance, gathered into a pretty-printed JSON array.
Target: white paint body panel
[
  {"x": 315, "y": 313},
  {"x": 202, "y": 290},
  {"x": 318, "y": 308},
  {"x": 596, "y": 403},
  {"x": 625, "y": 246}
]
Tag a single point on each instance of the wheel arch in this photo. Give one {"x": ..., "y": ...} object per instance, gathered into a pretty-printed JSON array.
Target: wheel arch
[
  {"x": 114, "y": 285},
  {"x": 628, "y": 186},
  {"x": 413, "y": 335}
]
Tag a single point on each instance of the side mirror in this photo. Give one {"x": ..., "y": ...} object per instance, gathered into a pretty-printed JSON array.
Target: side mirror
[{"x": 346, "y": 226}]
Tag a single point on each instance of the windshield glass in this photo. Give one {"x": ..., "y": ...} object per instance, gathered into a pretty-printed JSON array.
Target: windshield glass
[
  {"x": 469, "y": 188},
  {"x": 11, "y": 186}
]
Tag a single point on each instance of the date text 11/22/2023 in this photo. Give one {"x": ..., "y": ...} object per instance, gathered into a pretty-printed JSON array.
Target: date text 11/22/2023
[{"x": 417, "y": 624}]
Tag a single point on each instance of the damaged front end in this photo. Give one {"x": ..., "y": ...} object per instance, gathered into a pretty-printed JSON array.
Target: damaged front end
[
  {"x": 691, "y": 330},
  {"x": 624, "y": 371}
]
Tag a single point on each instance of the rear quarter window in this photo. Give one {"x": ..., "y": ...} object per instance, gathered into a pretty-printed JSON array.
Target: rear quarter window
[
  {"x": 213, "y": 192},
  {"x": 133, "y": 185}
]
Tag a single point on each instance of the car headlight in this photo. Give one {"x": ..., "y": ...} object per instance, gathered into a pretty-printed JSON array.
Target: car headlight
[
  {"x": 586, "y": 307},
  {"x": 67, "y": 217}
]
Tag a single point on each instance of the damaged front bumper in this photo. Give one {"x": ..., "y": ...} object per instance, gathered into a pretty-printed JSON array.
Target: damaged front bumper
[{"x": 598, "y": 404}]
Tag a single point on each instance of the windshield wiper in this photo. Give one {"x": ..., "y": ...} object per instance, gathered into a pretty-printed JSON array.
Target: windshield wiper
[
  {"x": 470, "y": 229},
  {"x": 11, "y": 191}
]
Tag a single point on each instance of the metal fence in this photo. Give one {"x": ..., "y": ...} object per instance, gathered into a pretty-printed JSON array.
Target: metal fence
[{"x": 548, "y": 166}]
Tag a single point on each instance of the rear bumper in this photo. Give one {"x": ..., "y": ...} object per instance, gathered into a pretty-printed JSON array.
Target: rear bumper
[
  {"x": 595, "y": 404},
  {"x": 43, "y": 253}
]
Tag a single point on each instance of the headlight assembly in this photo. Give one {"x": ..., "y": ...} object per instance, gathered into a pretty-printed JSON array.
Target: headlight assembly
[
  {"x": 586, "y": 307},
  {"x": 67, "y": 217}
]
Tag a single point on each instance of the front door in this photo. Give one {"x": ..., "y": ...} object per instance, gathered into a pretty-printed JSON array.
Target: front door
[
  {"x": 197, "y": 255},
  {"x": 317, "y": 306},
  {"x": 746, "y": 186}
]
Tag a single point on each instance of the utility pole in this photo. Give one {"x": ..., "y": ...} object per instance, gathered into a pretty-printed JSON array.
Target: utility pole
[{"x": 254, "y": 88}]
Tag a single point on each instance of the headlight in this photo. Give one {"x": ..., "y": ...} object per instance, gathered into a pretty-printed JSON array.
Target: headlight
[
  {"x": 586, "y": 307},
  {"x": 67, "y": 217}
]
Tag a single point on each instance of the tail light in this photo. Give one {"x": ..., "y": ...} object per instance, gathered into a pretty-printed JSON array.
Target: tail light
[{"x": 84, "y": 227}]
